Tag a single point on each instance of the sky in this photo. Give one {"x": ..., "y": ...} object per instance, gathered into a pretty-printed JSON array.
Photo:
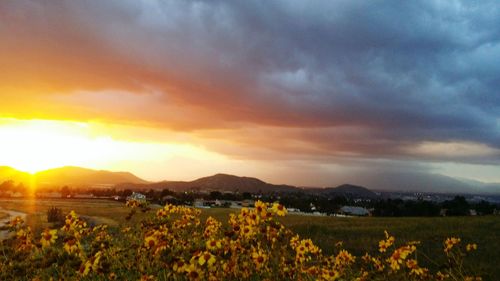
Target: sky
[{"x": 297, "y": 92}]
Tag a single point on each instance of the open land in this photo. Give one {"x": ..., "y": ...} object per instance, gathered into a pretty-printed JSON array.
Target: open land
[{"x": 358, "y": 234}]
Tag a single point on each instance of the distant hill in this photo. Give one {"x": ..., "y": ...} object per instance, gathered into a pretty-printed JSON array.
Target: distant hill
[
  {"x": 83, "y": 177},
  {"x": 346, "y": 190},
  {"x": 73, "y": 176},
  {"x": 417, "y": 181},
  {"x": 8, "y": 173},
  {"x": 218, "y": 182},
  {"x": 350, "y": 190},
  {"x": 427, "y": 182},
  {"x": 231, "y": 183}
]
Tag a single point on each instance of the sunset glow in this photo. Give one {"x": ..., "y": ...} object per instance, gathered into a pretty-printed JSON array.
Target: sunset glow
[
  {"x": 298, "y": 94},
  {"x": 36, "y": 145}
]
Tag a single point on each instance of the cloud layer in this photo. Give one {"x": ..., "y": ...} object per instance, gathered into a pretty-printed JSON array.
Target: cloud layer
[{"x": 323, "y": 81}]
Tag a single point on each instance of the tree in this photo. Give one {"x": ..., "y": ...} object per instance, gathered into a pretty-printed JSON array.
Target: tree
[
  {"x": 456, "y": 207},
  {"x": 65, "y": 191}
]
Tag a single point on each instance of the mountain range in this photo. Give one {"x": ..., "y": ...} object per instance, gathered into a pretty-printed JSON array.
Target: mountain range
[
  {"x": 218, "y": 182},
  {"x": 406, "y": 182},
  {"x": 69, "y": 175}
]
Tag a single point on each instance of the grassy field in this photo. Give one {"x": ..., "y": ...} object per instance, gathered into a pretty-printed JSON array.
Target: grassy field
[
  {"x": 361, "y": 234},
  {"x": 358, "y": 234}
]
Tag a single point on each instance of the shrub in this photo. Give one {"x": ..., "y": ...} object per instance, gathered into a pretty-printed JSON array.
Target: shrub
[{"x": 55, "y": 215}]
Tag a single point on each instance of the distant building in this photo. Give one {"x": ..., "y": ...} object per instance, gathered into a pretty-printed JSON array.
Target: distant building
[
  {"x": 137, "y": 196},
  {"x": 247, "y": 203},
  {"x": 200, "y": 203},
  {"x": 442, "y": 212},
  {"x": 354, "y": 211}
]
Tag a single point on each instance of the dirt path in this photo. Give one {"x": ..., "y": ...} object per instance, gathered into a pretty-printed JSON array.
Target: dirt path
[{"x": 11, "y": 214}]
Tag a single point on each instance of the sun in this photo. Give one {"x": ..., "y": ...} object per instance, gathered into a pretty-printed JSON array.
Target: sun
[{"x": 36, "y": 145}]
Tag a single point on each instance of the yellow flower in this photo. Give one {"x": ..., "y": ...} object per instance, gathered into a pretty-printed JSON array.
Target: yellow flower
[
  {"x": 399, "y": 256},
  {"x": 330, "y": 275},
  {"x": 24, "y": 238},
  {"x": 471, "y": 247},
  {"x": 306, "y": 246},
  {"x": 48, "y": 237},
  {"x": 440, "y": 276},
  {"x": 150, "y": 241},
  {"x": 379, "y": 266},
  {"x": 72, "y": 246},
  {"x": 15, "y": 221},
  {"x": 206, "y": 258},
  {"x": 344, "y": 258},
  {"x": 261, "y": 208},
  {"x": 449, "y": 243},
  {"x": 279, "y": 209},
  {"x": 162, "y": 213},
  {"x": 85, "y": 268},
  {"x": 91, "y": 264},
  {"x": 193, "y": 272},
  {"x": 259, "y": 258},
  {"x": 132, "y": 203},
  {"x": 213, "y": 244},
  {"x": 414, "y": 268},
  {"x": 384, "y": 244},
  {"x": 363, "y": 277},
  {"x": 247, "y": 231},
  {"x": 180, "y": 266}
]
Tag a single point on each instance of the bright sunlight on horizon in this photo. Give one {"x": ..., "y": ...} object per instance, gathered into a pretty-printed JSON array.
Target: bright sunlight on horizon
[{"x": 36, "y": 145}]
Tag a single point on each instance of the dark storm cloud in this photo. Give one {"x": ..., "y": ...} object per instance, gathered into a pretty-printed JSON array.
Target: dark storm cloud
[{"x": 361, "y": 78}]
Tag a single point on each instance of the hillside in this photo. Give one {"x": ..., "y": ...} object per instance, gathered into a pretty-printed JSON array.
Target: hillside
[
  {"x": 350, "y": 191},
  {"x": 218, "y": 182},
  {"x": 395, "y": 182},
  {"x": 8, "y": 173},
  {"x": 426, "y": 182},
  {"x": 81, "y": 176}
]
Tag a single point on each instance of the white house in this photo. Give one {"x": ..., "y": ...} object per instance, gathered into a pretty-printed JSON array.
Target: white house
[{"x": 137, "y": 196}]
